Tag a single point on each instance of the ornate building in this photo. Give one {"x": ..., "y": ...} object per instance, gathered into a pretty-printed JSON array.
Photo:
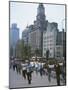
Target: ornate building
[
  {"x": 43, "y": 35},
  {"x": 49, "y": 39},
  {"x": 35, "y": 37}
]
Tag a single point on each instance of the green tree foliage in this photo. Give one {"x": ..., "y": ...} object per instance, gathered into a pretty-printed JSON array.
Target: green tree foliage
[
  {"x": 37, "y": 52},
  {"x": 23, "y": 51}
]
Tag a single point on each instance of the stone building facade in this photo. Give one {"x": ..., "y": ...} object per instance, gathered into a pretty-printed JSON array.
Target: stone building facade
[
  {"x": 35, "y": 37},
  {"x": 43, "y": 35},
  {"x": 54, "y": 41},
  {"x": 49, "y": 39}
]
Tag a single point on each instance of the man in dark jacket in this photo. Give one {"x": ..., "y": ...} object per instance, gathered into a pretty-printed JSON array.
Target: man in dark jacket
[
  {"x": 29, "y": 73},
  {"x": 57, "y": 69}
]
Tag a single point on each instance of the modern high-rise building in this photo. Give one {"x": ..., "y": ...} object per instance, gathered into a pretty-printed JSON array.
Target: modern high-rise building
[{"x": 14, "y": 37}]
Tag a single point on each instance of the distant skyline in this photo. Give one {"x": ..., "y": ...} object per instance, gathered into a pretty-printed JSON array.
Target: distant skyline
[{"x": 25, "y": 14}]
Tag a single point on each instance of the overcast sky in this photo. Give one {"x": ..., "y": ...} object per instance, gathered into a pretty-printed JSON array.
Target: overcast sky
[{"x": 25, "y": 13}]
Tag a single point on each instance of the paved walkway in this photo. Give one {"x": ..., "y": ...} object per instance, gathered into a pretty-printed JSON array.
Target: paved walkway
[{"x": 16, "y": 80}]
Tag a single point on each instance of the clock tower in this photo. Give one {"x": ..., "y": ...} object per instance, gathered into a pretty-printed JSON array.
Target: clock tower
[
  {"x": 41, "y": 18},
  {"x": 41, "y": 12}
]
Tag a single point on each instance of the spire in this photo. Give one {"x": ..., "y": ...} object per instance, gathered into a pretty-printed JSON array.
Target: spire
[
  {"x": 41, "y": 12},
  {"x": 41, "y": 5},
  {"x": 40, "y": 9}
]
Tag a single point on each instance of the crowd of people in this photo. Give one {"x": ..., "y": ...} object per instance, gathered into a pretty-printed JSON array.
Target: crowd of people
[{"x": 26, "y": 69}]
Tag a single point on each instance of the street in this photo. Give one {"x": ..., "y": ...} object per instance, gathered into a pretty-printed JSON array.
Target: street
[{"x": 17, "y": 81}]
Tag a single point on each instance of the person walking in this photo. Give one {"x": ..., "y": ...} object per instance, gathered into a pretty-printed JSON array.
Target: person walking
[
  {"x": 29, "y": 73},
  {"x": 57, "y": 69},
  {"x": 18, "y": 69},
  {"x": 49, "y": 73},
  {"x": 36, "y": 67},
  {"x": 14, "y": 66},
  {"x": 41, "y": 69},
  {"x": 24, "y": 70}
]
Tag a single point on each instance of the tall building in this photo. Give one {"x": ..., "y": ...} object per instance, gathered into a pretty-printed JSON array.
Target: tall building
[
  {"x": 14, "y": 37},
  {"x": 25, "y": 34},
  {"x": 41, "y": 18},
  {"x": 54, "y": 41},
  {"x": 36, "y": 35},
  {"x": 44, "y": 35},
  {"x": 61, "y": 44},
  {"x": 49, "y": 39},
  {"x": 35, "y": 40}
]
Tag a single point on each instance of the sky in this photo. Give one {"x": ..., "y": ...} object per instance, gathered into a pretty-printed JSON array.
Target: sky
[{"x": 25, "y": 14}]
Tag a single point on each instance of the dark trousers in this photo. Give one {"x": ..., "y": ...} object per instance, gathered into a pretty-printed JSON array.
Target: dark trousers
[
  {"x": 29, "y": 77},
  {"x": 49, "y": 77},
  {"x": 58, "y": 80},
  {"x": 24, "y": 74},
  {"x": 41, "y": 72}
]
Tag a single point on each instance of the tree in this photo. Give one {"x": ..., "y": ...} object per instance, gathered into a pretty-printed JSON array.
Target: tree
[
  {"x": 19, "y": 49},
  {"x": 47, "y": 54},
  {"x": 23, "y": 50},
  {"x": 37, "y": 52}
]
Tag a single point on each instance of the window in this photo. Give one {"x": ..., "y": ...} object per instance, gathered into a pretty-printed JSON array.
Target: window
[
  {"x": 44, "y": 37},
  {"x": 44, "y": 41},
  {"x": 44, "y": 48},
  {"x": 44, "y": 54}
]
